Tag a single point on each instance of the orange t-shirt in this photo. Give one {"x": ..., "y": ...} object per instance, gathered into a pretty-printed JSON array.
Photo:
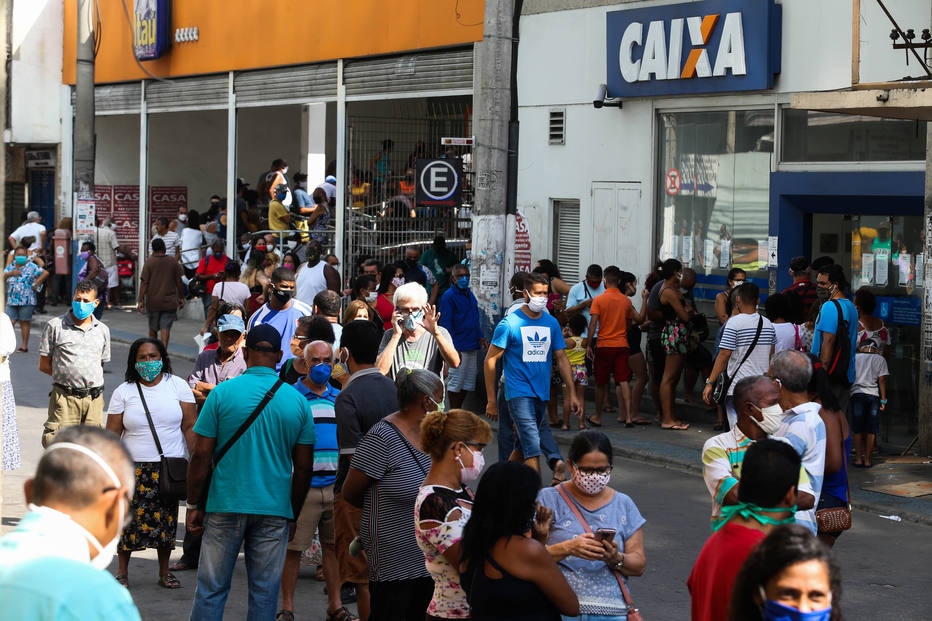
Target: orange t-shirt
[{"x": 614, "y": 309}]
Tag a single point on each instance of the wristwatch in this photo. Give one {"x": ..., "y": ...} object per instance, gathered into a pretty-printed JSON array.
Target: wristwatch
[
  {"x": 617, "y": 566},
  {"x": 189, "y": 506}
]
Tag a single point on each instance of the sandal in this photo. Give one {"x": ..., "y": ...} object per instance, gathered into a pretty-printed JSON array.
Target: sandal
[
  {"x": 169, "y": 581},
  {"x": 285, "y": 615},
  {"x": 122, "y": 579},
  {"x": 180, "y": 565},
  {"x": 341, "y": 614}
]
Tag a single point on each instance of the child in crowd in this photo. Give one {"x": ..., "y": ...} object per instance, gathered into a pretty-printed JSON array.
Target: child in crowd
[
  {"x": 868, "y": 399},
  {"x": 576, "y": 354}
]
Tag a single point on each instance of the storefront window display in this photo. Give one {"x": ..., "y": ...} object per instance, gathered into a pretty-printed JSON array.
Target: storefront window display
[
  {"x": 714, "y": 189},
  {"x": 812, "y": 136}
]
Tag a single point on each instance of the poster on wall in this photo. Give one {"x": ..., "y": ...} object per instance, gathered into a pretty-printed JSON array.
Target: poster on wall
[
  {"x": 724, "y": 258},
  {"x": 125, "y": 214},
  {"x": 867, "y": 269},
  {"x": 709, "y": 255},
  {"x": 904, "y": 263},
  {"x": 164, "y": 201},
  {"x": 84, "y": 214},
  {"x": 881, "y": 266},
  {"x": 522, "y": 243}
]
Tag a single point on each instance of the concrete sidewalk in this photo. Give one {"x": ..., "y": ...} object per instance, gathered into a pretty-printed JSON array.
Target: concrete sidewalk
[{"x": 678, "y": 450}]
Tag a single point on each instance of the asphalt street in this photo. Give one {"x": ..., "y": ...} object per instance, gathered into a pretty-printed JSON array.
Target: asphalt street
[{"x": 884, "y": 562}]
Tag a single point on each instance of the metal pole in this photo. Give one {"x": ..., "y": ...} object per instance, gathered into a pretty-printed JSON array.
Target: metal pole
[
  {"x": 144, "y": 224},
  {"x": 343, "y": 175},
  {"x": 84, "y": 103},
  {"x": 4, "y": 38},
  {"x": 925, "y": 383},
  {"x": 232, "y": 216},
  {"x": 492, "y": 88}
]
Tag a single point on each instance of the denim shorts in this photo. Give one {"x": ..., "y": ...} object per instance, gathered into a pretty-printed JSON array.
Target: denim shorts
[
  {"x": 865, "y": 413},
  {"x": 527, "y": 414},
  {"x": 20, "y": 313}
]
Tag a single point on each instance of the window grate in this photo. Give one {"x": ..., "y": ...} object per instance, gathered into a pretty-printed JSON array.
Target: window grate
[
  {"x": 557, "y": 126},
  {"x": 566, "y": 238}
]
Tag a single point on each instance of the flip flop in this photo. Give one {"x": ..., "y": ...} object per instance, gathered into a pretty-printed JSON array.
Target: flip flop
[
  {"x": 23, "y": 350},
  {"x": 559, "y": 473},
  {"x": 642, "y": 421},
  {"x": 592, "y": 422},
  {"x": 676, "y": 427},
  {"x": 122, "y": 579},
  {"x": 169, "y": 581},
  {"x": 180, "y": 566}
]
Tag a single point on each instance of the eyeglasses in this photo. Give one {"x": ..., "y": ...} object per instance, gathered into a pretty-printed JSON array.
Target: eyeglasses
[
  {"x": 301, "y": 338},
  {"x": 605, "y": 470}
]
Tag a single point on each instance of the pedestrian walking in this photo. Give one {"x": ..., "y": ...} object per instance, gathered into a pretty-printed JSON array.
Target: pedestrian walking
[
  {"x": 73, "y": 349},
  {"x": 161, "y": 292},
  {"x": 459, "y": 315}
]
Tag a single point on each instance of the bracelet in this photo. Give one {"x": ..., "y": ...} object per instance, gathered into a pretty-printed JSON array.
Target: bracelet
[
  {"x": 620, "y": 564},
  {"x": 708, "y": 381},
  {"x": 191, "y": 506},
  {"x": 883, "y": 402}
]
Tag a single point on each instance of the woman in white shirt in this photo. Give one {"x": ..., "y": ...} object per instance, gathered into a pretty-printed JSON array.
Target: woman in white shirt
[{"x": 151, "y": 386}]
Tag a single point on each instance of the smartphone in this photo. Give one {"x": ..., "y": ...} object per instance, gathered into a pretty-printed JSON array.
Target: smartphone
[{"x": 605, "y": 534}]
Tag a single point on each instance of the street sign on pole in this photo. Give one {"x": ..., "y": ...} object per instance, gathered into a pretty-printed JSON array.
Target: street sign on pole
[
  {"x": 450, "y": 141},
  {"x": 439, "y": 182}
]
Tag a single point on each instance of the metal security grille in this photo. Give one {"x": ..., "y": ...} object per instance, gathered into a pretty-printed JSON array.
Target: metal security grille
[
  {"x": 566, "y": 238},
  {"x": 116, "y": 98},
  {"x": 557, "y": 126},
  {"x": 306, "y": 83},
  {"x": 426, "y": 71},
  {"x": 382, "y": 218},
  {"x": 201, "y": 93}
]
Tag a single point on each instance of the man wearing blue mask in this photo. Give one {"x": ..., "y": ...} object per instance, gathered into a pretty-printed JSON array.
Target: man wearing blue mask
[
  {"x": 73, "y": 349},
  {"x": 459, "y": 314}
]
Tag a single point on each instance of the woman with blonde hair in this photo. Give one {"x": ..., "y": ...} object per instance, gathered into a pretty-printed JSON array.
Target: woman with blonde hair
[
  {"x": 454, "y": 440},
  {"x": 357, "y": 309}
]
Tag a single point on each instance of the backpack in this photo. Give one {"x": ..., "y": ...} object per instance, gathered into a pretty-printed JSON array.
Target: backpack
[{"x": 841, "y": 358}]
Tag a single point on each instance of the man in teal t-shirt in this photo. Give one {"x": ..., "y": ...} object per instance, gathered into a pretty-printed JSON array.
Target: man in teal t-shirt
[{"x": 258, "y": 489}]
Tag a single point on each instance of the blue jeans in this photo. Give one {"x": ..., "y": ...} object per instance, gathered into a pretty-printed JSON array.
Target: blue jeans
[
  {"x": 865, "y": 413},
  {"x": 529, "y": 416},
  {"x": 506, "y": 432},
  {"x": 264, "y": 539}
]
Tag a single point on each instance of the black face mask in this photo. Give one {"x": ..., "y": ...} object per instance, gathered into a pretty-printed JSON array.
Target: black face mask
[
  {"x": 411, "y": 262},
  {"x": 282, "y": 296}
]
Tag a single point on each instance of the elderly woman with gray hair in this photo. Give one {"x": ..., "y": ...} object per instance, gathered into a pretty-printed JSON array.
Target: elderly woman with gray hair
[
  {"x": 384, "y": 479},
  {"x": 415, "y": 339}
]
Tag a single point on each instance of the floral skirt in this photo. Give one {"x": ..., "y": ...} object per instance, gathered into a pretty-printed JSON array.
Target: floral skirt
[{"x": 154, "y": 522}]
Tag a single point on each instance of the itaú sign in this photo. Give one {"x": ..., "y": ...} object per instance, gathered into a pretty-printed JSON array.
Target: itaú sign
[
  {"x": 698, "y": 47},
  {"x": 151, "y": 28}
]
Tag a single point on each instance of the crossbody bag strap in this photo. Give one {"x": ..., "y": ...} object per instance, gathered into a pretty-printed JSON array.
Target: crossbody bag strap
[
  {"x": 249, "y": 421},
  {"x": 760, "y": 325},
  {"x": 407, "y": 446},
  {"x": 145, "y": 406},
  {"x": 582, "y": 521}
]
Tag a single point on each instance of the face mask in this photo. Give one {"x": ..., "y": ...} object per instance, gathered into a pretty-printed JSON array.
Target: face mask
[
  {"x": 398, "y": 281},
  {"x": 183, "y": 217},
  {"x": 289, "y": 266},
  {"x": 82, "y": 310},
  {"x": 773, "y": 418},
  {"x": 104, "y": 553},
  {"x": 320, "y": 373},
  {"x": 591, "y": 483},
  {"x": 467, "y": 475},
  {"x": 462, "y": 282},
  {"x": 411, "y": 263},
  {"x": 775, "y": 611},
  {"x": 282, "y": 296},
  {"x": 412, "y": 320},
  {"x": 21, "y": 260},
  {"x": 823, "y": 293},
  {"x": 84, "y": 255},
  {"x": 468, "y": 255},
  {"x": 149, "y": 369},
  {"x": 340, "y": 369},
  {"x": 752, "y": 512},
  {"x": 372, "y": 296},
  {"x": 537, "y": 304},
  {"x": 440, "y": 406}
]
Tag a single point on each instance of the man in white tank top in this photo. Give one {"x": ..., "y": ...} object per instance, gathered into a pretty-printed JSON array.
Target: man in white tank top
[{"x": 315, "y": 275}]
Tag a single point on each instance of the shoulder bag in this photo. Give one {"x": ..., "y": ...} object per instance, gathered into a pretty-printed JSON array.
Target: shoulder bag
[
  {"x": 723, "y": 381},
  {"x": 218, "y": 455},
  {"x": 633, "y": 613},
  {"x": 173, "y": 471}
]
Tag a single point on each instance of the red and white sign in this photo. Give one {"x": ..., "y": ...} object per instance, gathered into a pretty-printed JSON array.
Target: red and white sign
[
  {"x": 673, "y": 181},
  {"x": 125, "y": 214},
  {"x": 164, "y": 201},
  {"x": 522, "y": 243}
]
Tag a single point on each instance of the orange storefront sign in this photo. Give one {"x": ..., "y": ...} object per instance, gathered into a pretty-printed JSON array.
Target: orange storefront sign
[{"x": 250, "y": 34}]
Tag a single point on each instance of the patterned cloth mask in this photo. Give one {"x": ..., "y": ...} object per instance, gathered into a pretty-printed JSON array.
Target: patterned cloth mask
[
  {"x": 591, "y": 483},
  {"x": 149, "y": 369}
]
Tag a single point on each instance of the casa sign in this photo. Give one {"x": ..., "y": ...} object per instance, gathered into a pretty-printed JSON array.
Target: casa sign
[{"x": 712, "y": 46}]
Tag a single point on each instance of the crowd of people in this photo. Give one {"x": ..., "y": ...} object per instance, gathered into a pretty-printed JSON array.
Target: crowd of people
[{"x": 318, "y": 419}]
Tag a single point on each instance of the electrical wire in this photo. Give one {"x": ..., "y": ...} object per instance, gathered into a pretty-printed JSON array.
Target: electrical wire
[{"x": 145, "y": 70}]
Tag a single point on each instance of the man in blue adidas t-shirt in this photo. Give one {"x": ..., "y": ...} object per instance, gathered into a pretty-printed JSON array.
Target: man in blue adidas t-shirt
[{"x": 527, "y": 341}]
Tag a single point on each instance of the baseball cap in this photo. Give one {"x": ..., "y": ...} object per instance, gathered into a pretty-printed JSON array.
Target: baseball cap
[
  {"x": 266, "y": 333},
  {"x": 231, "y": 322},
  {"x": 331, "y": 179}
]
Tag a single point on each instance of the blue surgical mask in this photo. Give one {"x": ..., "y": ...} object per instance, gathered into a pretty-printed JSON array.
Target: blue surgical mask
[
  {"x": 462, "y": 282},
  {"x": 411, "y": 321},
  {"x": 149, "y": 369},
  {"x": 320, "y": 373},
  {"x": 21, "y": 259},
  {"x": 775, "y": 611},
  {"x": 82, "y": 310}
]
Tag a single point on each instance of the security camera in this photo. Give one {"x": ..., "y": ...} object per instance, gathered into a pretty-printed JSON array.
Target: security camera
[{"x": 600, "y": 96}]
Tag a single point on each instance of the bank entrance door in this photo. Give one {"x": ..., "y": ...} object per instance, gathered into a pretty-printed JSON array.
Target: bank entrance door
[{"x": 883, "y": 254}]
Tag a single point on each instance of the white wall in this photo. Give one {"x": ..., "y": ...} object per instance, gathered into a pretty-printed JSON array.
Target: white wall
[
  {"x": 35, "y": 71},
  {"x": 879, "y": 62}
]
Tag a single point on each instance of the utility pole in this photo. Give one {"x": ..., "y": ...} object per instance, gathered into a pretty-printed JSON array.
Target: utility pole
[
  {"x": 495, "y": 158},
  {"x": 925, "y": 374},
  {"x": 4, "y": 95},
  {"x": 84, "y": 104}
]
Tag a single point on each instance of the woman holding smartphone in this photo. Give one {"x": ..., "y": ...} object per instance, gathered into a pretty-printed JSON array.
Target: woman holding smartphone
[{"x": 597, "y": 555}]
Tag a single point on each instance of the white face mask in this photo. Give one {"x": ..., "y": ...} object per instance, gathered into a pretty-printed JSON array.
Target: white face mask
[
  {"x": 470, "y": 474},
  {"x": 591, "y": 483},
  {"x": 537, "y": 303},
  {"x": 104, "y": 553},
  {"x": 372, "y": 296},
  {"x": 773, "y": 418}
]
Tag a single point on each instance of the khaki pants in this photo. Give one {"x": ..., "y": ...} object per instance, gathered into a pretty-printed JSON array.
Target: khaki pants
[{"x": 66, "y": 411}]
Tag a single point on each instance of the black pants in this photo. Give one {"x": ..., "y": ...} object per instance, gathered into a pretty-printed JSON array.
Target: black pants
[
  {"x": 400, "y": 600},
  {"x": 191, "y": 549}
]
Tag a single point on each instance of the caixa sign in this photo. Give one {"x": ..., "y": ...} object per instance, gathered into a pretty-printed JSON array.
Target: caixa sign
[
  {"x": 151, "y": 28},
  {"x": 699, "y": 47}
]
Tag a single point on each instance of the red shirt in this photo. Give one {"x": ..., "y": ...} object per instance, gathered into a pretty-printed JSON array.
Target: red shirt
[
  {"x": 212, "y": 265},
  {"x": 715, "y": 570},
  {"x": 385, "y": 309}
]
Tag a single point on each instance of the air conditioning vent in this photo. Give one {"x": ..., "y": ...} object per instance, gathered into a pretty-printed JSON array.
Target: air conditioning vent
[{"x": 558, "y": 126}]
